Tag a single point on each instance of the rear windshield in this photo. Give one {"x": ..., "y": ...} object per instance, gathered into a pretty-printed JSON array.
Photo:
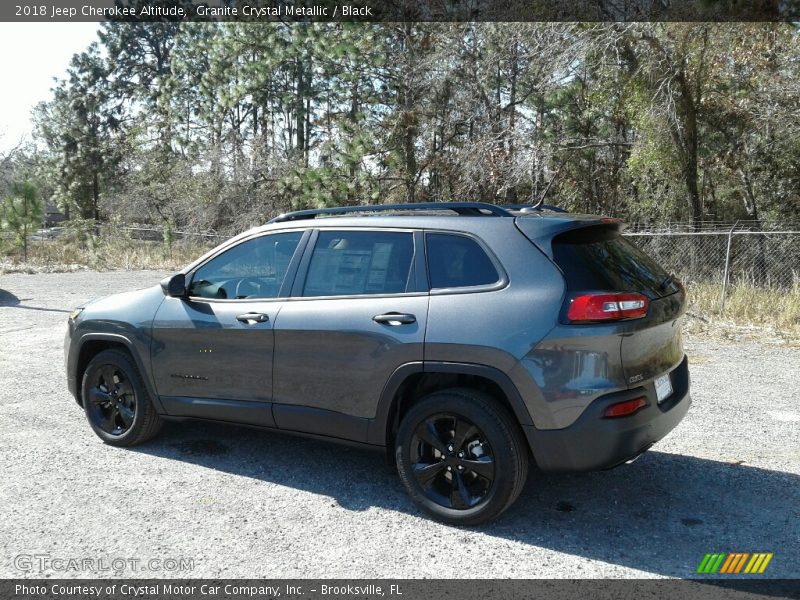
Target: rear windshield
[{"x": 598, "y": 258}]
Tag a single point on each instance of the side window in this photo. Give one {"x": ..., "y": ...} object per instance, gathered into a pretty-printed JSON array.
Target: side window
[
  {"x": 360, "y": 262},
  {"x": 456, "y": 261},
  {"x": 252, "y": 269}
]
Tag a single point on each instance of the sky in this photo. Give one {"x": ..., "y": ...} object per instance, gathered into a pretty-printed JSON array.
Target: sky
[{"x": 33, "y": 54}]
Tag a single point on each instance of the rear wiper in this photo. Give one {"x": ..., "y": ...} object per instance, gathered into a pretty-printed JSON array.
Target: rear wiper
[{"x": 666, "y": 282}]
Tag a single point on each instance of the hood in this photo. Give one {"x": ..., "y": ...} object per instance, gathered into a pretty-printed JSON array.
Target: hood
[{"x": 127, "y": 306}]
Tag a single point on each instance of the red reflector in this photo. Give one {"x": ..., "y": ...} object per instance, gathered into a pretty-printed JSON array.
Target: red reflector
[
  {"x": 623, "y": 409},
  {"x": 607, "y": 307}
]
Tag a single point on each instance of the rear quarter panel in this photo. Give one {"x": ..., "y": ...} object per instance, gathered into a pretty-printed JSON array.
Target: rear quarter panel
[
  {"x": 573, "y": 366},
  {"x": 499, "y": 328}
]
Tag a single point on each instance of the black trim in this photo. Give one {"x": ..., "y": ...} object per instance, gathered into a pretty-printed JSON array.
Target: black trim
[
  {"x": 275, "y": 430},
  {"x": 379, "y": 425},
  {"x": 302, "y": 270},
  {"x": 321, "y": 422},
  {"x": 386, "y": 404},
  {"x": 469, "y": 209},
  {"x": 529, "y": 208},
  {"x": 231, "y": 411},
  {"x": 146, "y": 373},
  {"x": 492, "y": 374},
  {"x": 294, "y": 265},
  {"x": 420, "y": 263}
]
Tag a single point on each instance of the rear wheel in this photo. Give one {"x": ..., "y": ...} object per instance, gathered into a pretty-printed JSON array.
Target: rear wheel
[
  {"x": 461, "y": 456},
  {"x": 116, "y": 401}
]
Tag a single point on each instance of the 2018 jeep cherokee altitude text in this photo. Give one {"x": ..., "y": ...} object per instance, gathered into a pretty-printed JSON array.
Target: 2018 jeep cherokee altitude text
[{"x": 465, "y": 338}]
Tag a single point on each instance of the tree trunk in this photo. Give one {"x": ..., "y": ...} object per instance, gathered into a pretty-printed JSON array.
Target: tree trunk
[
  {"x": 300, "y": 117},
  {"x": 749, "y": 197},
  {"x": 760, "y": 259},
  {"x": 355, "y": 101},
  {"x": 407, "y": 117},
  {"x": 96, "y": 196},
  {"x": 511, "y": 188},
  {"x": 684, "y": 132}
]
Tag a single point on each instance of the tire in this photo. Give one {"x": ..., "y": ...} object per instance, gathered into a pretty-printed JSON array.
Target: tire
[
  {"x": 461, "y": 456},
  {"x": 116, "y": 402}
]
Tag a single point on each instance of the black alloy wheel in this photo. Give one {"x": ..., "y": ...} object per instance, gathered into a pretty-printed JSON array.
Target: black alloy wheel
[
  {"x": 111, "y": 400},
  {"x": 452, "y": 461},
  {"x": 461, "y": 456},
  {"x": 116, "y": 401}
]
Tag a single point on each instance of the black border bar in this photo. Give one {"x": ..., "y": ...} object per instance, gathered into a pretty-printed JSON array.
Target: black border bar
[
  {"x": 719, "y": 588},
  {"x": 376, "y": 11}
]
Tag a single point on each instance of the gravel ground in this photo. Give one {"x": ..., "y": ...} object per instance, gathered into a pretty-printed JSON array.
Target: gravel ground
[{"x": 242, "y": 503}]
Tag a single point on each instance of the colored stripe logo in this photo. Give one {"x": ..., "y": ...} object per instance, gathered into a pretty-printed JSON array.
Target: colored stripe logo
[{"x": 731, "y": 563}]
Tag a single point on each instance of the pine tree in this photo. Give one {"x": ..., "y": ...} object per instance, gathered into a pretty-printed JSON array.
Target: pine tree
[{"x": 21, "y": 212}]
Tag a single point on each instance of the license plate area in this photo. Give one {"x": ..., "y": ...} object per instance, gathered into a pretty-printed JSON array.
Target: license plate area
[{"x": 663, "y": 388}]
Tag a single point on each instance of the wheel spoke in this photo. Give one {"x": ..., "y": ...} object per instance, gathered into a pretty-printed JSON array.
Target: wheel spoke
[
  {"x": 107, "y": 373},
  {"x": 109, "y": 423},
  {"x": 427, "y": 472},
  {"x": 463, "y": 431},
  {"x": 125, "y": 414},
  {"x": 483, "y": 466},
  {"x": 125, "y": 388},
  {"x": 428, "y": 433},
  {"x": 459, "y": 495},
  {"x": 98, "y": 396}
]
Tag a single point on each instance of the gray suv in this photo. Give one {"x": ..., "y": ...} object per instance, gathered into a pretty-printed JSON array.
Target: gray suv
[{"x": 468, "y": 340}]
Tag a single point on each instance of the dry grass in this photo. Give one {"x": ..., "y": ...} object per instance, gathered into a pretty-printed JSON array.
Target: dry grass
[
  {"x": 72, "y": 252},
  {"x": 774, "y": 312}
]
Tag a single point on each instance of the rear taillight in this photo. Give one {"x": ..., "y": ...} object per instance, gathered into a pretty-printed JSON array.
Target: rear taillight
[
  {"x": 624, "y": 409},
  {"x": 607, "y": 307}
]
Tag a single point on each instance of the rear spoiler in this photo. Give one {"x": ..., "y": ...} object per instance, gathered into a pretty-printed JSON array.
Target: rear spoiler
[{"x": 542, "y": 231}]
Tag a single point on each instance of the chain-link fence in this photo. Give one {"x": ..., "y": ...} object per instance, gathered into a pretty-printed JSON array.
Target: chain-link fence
[{"x": 768, "y": 258}]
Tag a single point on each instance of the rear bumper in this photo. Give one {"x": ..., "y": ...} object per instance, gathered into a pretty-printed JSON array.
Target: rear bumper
[{"x": 593, "y": 442}]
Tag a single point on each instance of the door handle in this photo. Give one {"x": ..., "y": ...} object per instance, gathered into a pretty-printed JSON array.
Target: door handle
[
  {"x": 394, "y": 318},
  {"x": 253, "y": 317}
]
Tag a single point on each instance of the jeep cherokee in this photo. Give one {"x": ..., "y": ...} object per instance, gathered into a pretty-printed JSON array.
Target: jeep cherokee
[{"x": 466, "y": 339}]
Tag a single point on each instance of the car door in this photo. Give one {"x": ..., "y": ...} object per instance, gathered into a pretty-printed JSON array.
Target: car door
[
  {"x": 212, "y": 351},
  {"x": 358, "y": 312}
]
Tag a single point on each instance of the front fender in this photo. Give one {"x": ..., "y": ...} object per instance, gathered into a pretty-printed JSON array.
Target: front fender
[
  {"x": 122, "y": 319},
  {"x": 139, "y": 352}
]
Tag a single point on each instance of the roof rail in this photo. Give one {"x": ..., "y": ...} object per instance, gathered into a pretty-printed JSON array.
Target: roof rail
[
  {"x": 465, "y": 209},
  {"x": 533, "y": 207}
]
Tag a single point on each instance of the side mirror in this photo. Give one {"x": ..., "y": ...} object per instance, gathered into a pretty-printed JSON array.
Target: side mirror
[{"x": 174, "y": 285}]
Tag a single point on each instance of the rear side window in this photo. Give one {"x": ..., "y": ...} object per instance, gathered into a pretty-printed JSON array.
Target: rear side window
[
  {"x": 360, "y": 262},
  {"x": 599, "y": 258},
  {"x": 456, "y": 261}
]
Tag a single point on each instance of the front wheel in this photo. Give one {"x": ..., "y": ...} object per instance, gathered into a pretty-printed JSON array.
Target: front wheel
[
  {"x": 461, "y": 456},
  {"x": 116, "y": 401}
]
